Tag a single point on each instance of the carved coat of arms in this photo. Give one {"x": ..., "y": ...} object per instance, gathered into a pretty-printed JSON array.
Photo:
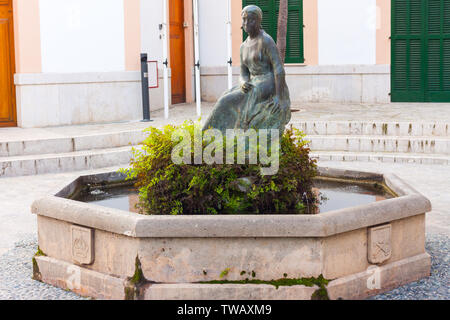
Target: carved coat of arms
[
  {"x": 379, "y": 244},
  {"x": 82, "y": 245}
]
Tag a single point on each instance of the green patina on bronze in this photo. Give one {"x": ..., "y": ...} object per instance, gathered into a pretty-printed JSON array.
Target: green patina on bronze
[{"x": 261, "y": 100}]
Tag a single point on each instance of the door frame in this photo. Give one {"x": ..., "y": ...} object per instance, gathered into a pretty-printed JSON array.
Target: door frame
[{"x": 12, "y": 122}]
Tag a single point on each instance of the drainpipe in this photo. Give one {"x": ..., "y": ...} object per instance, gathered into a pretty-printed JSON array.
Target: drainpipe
[
  {"x": 198, "y": 96},
  {"x": 230, "y": 47},
  {"x": 165, "y": 61}
]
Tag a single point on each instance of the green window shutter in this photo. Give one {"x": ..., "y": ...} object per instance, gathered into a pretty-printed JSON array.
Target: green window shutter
[
  {"x": 294, "y": 37},
  {"x": 438, "y": 51},
  {"x": 420, "y": 51},
  {"x": 434, "y": 45},
  {"x": 294, "y": 50},
  {"x": 446, "y": 47},
  {"x": 407, "y": 43},
  {"x": 268, "y": 13}
]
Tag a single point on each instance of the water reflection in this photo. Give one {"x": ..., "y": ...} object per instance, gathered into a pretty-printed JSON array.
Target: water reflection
[
  {"x": 338, "y": 195},
  {"x": 343, "y": 195}
]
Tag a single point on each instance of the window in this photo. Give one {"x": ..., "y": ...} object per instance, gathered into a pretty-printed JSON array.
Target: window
[
  {"x": 420, "y": 45},
  {"x": 294, "y": 37}
]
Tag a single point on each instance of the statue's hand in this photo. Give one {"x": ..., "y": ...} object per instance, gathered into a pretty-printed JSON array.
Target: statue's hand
[
  {"x": 276, "y": 100},
  {"x": 277, "y": 106},
  {"x": 246, "y": 87}
]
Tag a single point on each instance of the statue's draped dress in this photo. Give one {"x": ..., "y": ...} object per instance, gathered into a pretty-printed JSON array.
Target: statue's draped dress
[{"x": 255, "y": 109}]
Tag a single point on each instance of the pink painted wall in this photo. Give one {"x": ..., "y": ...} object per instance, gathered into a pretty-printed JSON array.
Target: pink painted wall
[
  {"x": 132, "y": 31},
  {"x": 236, "y": 31},
  {"x": 383, "y": 31},
  {"x": 27, "y": 36},
  {"x": 311, "y": 32}
]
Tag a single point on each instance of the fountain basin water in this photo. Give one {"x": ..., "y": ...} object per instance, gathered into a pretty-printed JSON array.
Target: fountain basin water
[{"x": 109, "y": 253}]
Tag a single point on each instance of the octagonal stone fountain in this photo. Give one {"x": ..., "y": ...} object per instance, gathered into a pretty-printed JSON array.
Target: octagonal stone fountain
[{"x": 108, "y": 253}]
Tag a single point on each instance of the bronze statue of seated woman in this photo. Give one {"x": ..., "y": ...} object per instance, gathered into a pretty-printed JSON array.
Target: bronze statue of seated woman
[{"x": 261, "y": 100}]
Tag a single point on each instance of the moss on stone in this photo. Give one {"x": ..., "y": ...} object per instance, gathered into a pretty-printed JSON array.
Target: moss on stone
[
  {"x": 321, "y": 282},
  {"x": 138, "y": 276},
  {"x": 39, "y": 253},
  {"x": 224, "y": 273},
  {"x": 130, "y": 293},
  {"x": 133, "y": 288},
  {"x": 320, "y": 294},
  {"x": 36, "y": 273}
]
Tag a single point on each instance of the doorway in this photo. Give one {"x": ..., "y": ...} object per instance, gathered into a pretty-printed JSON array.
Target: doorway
[
  {"x": 177, "y": 51},
  {"x": 420, "y": 67},
  {"x": 7, "y": 66}
]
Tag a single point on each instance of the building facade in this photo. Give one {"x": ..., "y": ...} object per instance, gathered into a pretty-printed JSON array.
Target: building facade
[{"x": 68, "y": 62}]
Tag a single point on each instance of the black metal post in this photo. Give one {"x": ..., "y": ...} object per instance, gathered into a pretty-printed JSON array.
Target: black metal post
[{"x": 145, "y": 93}]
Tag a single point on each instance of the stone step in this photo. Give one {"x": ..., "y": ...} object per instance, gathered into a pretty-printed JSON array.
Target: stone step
[
  {"x": 393, "y": 144},
  {"x": 380, "y": 157},
  {"x": 424, "y": 131},
  {"x": 413, "y": 129},
  {"x": 64, "y": 162},
  {"x": 71, "y": 144}
]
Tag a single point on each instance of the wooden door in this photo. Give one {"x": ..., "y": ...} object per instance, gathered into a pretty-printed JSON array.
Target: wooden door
[
  {"x": 7, "y": 67},
  {"x": 177, "y": 51}
]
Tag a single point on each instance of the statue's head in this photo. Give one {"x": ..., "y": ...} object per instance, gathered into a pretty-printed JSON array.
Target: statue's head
[{"x": 251, "y": 19}]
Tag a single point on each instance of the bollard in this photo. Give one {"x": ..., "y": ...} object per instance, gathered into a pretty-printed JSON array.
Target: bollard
[{"x": 145, "y": 93}]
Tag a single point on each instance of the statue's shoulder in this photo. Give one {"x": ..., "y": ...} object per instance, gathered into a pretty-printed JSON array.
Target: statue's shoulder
[
  {"x": 268, "y": 40},
  {"x": 243, "y": 44}
]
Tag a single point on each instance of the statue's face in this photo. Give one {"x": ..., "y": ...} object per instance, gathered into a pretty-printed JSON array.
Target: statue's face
[{"x": 250, "y": 23}]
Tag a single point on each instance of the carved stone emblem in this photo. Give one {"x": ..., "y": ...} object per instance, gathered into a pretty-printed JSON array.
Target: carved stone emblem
[
  {"x": 379, "y": 244},
  {"x": 82, "y": 245}
]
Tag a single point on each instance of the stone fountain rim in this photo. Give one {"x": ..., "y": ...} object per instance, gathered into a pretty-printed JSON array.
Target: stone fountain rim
[{"x": 409, "y": 203}]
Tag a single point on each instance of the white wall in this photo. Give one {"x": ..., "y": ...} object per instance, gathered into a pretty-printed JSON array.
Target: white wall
[
  {"x": 347, "y": 32},
  {"x": 151, "y": 17},
  {"x": 213, "y": 32},
  {"x": 152, "y": 44},
  {"x": 82, "y": 35}
]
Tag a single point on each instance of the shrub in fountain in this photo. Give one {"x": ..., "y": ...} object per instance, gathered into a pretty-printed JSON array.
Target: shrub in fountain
[{"x": 169, "y": 188}]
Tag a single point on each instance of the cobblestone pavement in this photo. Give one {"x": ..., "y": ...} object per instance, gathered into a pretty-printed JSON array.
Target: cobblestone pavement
[
  {"x": 16, "y": 269},
  {"x": 435, "y": 287},
  {"x": 18, "y": 241}
]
